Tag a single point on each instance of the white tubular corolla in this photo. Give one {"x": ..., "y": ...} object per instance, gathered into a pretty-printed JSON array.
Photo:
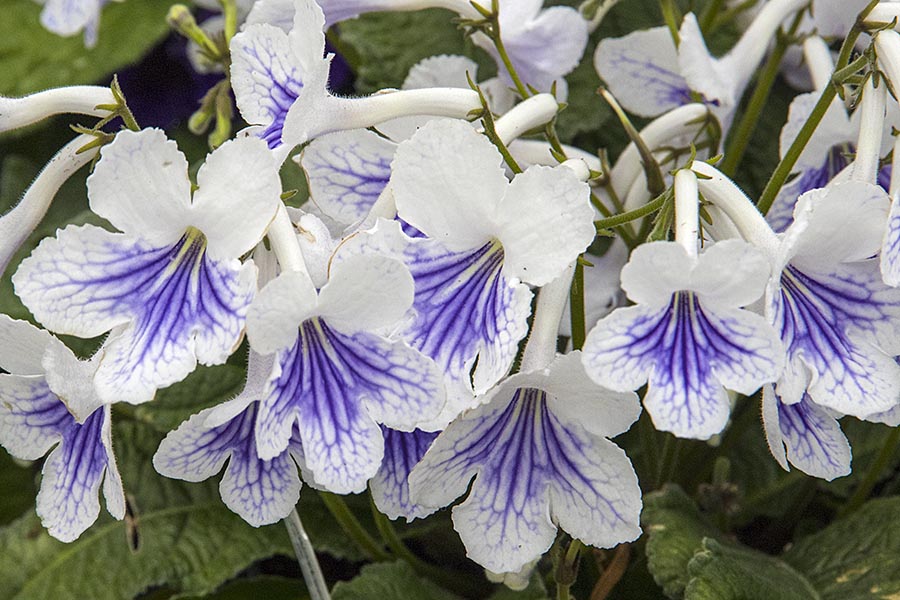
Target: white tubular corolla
[
  {"x": 885, "y": 12},
  {"x": 528, "y": 114},
  {"x": 723, "y": 193},
  {"x": 283, "y": 238},
  {"x": 687, "y": 211},
  {"x": 818, "y": 61},
  {"x": 541, "y": 347},
  {"x": 887, "y": 48},
  {"x": 535, "y": 152},
  {"x": 871, "y": 127},
  {"x": 77, "y": 99},
  {"x": 18, "y": 223}
]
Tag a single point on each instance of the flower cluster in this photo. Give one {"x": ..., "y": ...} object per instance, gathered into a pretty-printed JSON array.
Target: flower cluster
[{"x": 405, "y": 325}]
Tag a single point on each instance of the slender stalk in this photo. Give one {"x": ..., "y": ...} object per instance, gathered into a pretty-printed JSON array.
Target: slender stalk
[
  {"x": 708, "y": 16},
  {"x": 783, "y": 170},
  {"x": 862, "y": 492},
  {"x": 306, "y": 557},
  {"x": 672, "y": 17},
  {"x": 352, "y": 527},
  {"x": 632, "y": 215},
  {"x": 504, "y": 56},
  {"x": 576, "y": 307},
  {"x": 747, "y": 125}
]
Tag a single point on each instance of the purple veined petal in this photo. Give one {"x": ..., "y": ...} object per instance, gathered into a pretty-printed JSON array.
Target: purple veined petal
[
  {"x": 466, "y": 308},
  {"x": 530, "y": 469},
  {"x": 68, "y": 501},
  {"x": 689, "y": 353},
  {"x": 170, "y": 306},
  {"x": 68, "y": 17},
  {"x": 265, "y": 78},
  {"x": 32, "y": 419},
  {"x": 338, "y": 387},
  {"x": 390, "y": 486},
  {"x": 811, "y": 437},
  {"x": 347, "y": 172},
  {"x": 835, "y": 329},
  {"x": 260, "y": 491},
  {"x": 641, "y": 69}
]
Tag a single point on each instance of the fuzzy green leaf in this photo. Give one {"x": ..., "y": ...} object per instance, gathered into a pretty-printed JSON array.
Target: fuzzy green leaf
[{"x": 389, "y": 581}]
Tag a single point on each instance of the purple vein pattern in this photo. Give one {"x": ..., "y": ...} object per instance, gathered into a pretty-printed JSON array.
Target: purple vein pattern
[
  {"x": 830, "y": 325},
  {"x": 347, "y": 172},
  {"x": 465, "y": 308},
  {"x": 266, "y": 83},
  {"x": 32, "y": 420},
  {"x": 805, "y": 435},
  {"x": 179, "y": 303},
  {"x": 689, "y": 353},
  {"x": 338, "y": 387},
  {"x": 530, "y": 466},
  {"x": 260, "y": 491},
  {"x": 390, "y": 487}
]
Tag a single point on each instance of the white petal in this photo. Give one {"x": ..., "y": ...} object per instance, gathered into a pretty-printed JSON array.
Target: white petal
[
  {"x": 702, "y": 72},
  {"x": 731, "y": 273},
  {"x": 545, "y": 48},
  {"x": 447, "y": 182},
  {"x": 834, "y": 128},
  {"x": 441, "y": 71},
  {"x": 389, "y": 487},
  {"x": 545, "y": 221},
  {"x": 308, "y": 34},
  {"x": 655, "y": 271},
  {"x": 365, "y": 293},
  {"x": 607, "y": 356},
  {"x": 890, "y": 247},
  {"x": 771, "y": 426},
  {"x": 141, "y": 186},
  {"x": 642, "y": 71},
  {"x": 278, "y": 310},
  {"x": 814, "y": 440},
  {"x": 66, "y": 18},
  {"x": 239, "y": 192},
  {"x": 22, "y": 346},
  {"x": 845, "y": 224},
  {"x": 595, "y": 495},
  {"x": 72, "y": 380},
  {"x": 575, "y": 399}
]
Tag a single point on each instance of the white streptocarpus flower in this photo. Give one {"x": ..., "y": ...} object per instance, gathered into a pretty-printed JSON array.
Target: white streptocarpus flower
[
  {"x": 687, "y": 336},
  {"x": 649, "y": 76},
  {"x": 538, "y": 451},
  {"x": 280, "y": 80},
  {"x": 260, "y": 491},
  {"x": 171, "y": 287},
  {"x": 348, "y": 170},
  {"x": 42, "y": 377},
  {"x": 69, "y": 17},
  {"x": 836, "y": 317},
  {"x": 334, "y": 376},
  {"x": 486, "y": 238},
  {"x": 543, "y": 44}
]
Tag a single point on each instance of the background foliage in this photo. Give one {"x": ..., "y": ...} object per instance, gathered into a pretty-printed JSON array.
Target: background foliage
[{"x": 720, "y": 522}]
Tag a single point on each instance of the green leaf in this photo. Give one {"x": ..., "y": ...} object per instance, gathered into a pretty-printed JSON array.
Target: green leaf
[
  {"x": 726, "y": 572},
  {"x": 382, "y": 58},
  {"x": 269, "y": 587},
  {"x": 854, "y": 558},
  {"x": 17, "y": 483},
  {"x": 182, "y": 536},
  {"x": 389, "y": 581},
  {"x": 675, "y": 530},
  {"x": 35, "y": 59}
]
